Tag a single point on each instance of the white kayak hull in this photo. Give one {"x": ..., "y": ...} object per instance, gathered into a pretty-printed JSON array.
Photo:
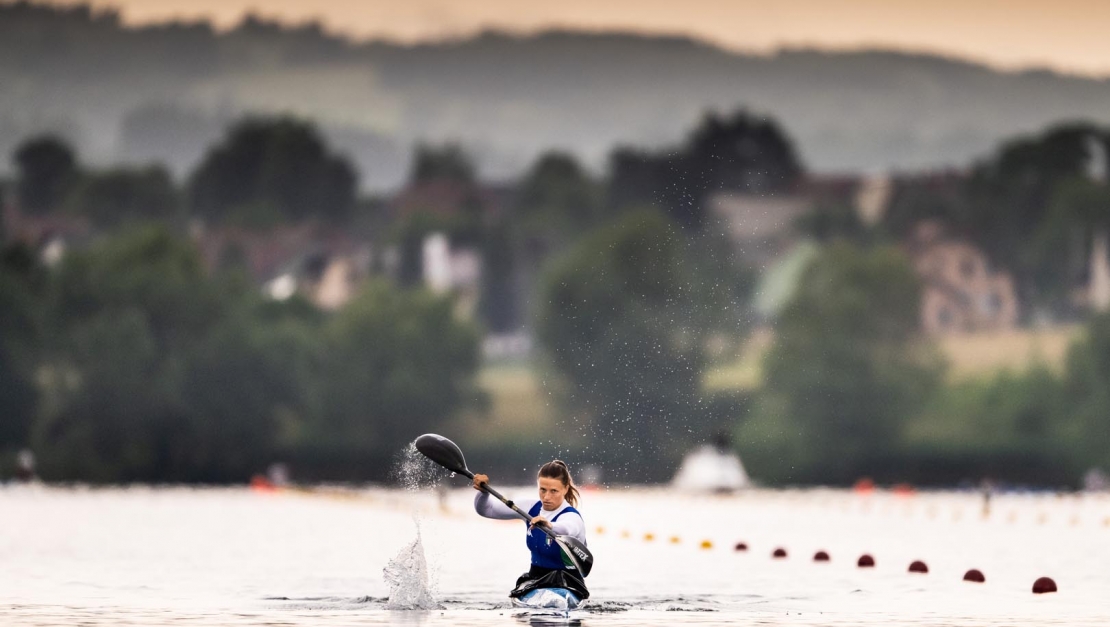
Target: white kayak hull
[{"x": 549, "y": 599}]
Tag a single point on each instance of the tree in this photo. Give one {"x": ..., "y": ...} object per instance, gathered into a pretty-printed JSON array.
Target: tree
[
  {"x": 846, "y": 370},
  {"x": 621, "y": 319},
  {"x": 1059, "y": 253},
  {"x": 45, "y": 171},
  {"x": 444, "y": 163},
  {"x": 21, "y": 282},
  {"x": 557, "y": 195},
  {"x": 270, "y": 169},
  {"x": 740, "y": 153},
  {"x": 1087, "y": 386},
  {"x": 120, "y": 196},
  {"x": 397, "y": 363},
  {"x": 1011, "y": 203},
  {"x": 159, "y": 372}
]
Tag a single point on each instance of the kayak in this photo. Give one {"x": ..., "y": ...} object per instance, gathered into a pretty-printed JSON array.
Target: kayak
[{"x": 549, "y": 599}]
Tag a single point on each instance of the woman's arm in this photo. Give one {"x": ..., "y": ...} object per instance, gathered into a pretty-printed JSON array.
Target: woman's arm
[
  {"x": 570, "y": 524},
  {"x": 490, "y": 507}
]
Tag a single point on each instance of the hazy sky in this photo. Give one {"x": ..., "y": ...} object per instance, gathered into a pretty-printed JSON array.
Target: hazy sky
[{"x": 1070, "y": 35}]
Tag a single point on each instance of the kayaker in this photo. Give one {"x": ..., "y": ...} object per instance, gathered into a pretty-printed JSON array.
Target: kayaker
[{"x": 554, "y": 509}]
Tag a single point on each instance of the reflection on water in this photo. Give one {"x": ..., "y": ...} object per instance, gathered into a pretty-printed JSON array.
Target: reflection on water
[{"x": 234, "y": 557}]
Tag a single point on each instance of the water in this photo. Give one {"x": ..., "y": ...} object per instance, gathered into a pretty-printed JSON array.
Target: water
[
  {"x": 414, "y": 471},
  {"x": 407, "y": 577},
  {"x": 211, "y": 557}
]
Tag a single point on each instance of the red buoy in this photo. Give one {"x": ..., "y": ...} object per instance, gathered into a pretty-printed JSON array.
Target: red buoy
[
  {"x": 866, "y": 561},
  {"x": 740, "y": 546},
  {"x": 779, "y": 553},
  {"x": 974, "y": 575},
  {"x": 918, "y": 566},
  {"x": 820, "y": 556},
  {"x": 1043, "y": 585}
]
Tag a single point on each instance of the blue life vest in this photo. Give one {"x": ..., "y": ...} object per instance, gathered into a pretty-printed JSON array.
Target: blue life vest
[{"x": 545, "y": 552}]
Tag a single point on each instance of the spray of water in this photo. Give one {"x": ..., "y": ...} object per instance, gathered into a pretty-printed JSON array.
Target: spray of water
[
  {"x": 415, "y": 472},
  {"x": 407, "y": 577}
]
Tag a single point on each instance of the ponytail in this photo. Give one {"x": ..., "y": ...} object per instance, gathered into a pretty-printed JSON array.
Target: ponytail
[{"x": 557, "y": 469}]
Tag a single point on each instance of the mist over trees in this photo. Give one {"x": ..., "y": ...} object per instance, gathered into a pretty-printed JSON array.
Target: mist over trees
[{"x": 166, "y": 92}]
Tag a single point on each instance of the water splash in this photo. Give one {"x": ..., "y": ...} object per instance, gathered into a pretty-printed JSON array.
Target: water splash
[
  {"x": 415, "y": 472},
  {"x": 407, "y": 577}
]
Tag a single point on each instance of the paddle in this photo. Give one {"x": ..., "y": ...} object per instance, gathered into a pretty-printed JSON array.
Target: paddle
[{"x": 447, "y": 454}]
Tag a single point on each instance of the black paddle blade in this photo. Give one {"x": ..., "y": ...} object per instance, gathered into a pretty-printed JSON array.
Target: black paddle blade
[
  {"x": 576, "y": 554},
  {"x": 443, "y": 452}
]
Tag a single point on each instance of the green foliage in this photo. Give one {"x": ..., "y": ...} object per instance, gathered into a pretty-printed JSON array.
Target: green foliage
[
  {"x": 1087, "y": 389},
  {"x": 739, "y": 153},
  {"x": 45, "y": 171},
  {"x": 444, "y": 163},
  {"x": 838, "y": 221},
  {"x": 20, "y": 282},
  {"x": 1012, "y": 426},
  {"x": 1017, "y": 205},
  {"x": 153, "y": 370},
  {"x": 623, "y": 320},
  {"x": 269, "y": 169},
  {"x": 558, "y": 196},
  {"x": 846, "y": 370},
  {"x": 145, "y": 270},
  {"x": 396, "y": 363},
  {"x": 122, "y": 196},
  {"x": 1059, "y": 253},
  {"x": 912, "y": 200}
]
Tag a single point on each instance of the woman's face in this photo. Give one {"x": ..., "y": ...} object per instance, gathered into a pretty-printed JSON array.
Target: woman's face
[{"x": 552, "y": 492}]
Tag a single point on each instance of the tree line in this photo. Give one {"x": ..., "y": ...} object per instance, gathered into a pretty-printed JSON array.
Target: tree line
[{"x": 129, "y": 361}]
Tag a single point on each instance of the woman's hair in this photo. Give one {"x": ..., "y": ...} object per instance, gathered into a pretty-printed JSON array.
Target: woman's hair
[{"x": 557, "y": 469}]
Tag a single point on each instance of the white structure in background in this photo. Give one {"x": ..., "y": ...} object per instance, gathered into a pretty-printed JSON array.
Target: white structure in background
[
  {"x": 437, "y": 262},
  {"x": 873, "y": 196},
  {"x": 708, "y": 468},
  {"x": 281, "y": 287},
  {"x": 1099, "y": 286},
  {"x": 446, "y": 269}
]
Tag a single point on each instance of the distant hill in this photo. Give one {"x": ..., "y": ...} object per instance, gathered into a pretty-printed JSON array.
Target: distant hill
[{"x": 166, "y": 92}]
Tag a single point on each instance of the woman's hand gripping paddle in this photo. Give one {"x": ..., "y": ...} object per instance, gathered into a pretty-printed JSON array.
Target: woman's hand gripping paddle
[{"x": 447, "y": 454}]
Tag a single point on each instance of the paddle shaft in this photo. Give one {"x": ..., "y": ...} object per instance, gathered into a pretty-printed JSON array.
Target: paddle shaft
[{"x": 523, "y": 514}]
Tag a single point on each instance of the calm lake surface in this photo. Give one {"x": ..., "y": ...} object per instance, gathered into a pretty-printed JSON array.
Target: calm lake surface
[{"x": 166, "y": 556}]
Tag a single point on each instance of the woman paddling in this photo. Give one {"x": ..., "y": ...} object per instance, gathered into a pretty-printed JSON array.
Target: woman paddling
[{"x": 553, "y": 510}]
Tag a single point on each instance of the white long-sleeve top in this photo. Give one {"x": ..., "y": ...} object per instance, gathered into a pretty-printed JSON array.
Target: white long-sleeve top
[{"x": 570, "y": 524}]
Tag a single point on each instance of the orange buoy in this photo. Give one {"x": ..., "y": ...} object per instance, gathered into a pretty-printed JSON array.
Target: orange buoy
[
  {"x": 865, "y": 561},
  {"x": 740, "y": 546},
  {"x": 820, "y": 556},
  {"x": 974, "y": 575},
  {"x": 706, "y": 544},
  {"x": 1043, "y": 585},
  {"x": 648, "y": 537},
  {"x": 918, "y": 566},
  {"x": 675, "y": 539},
  {"x": 779, "y": 553}
]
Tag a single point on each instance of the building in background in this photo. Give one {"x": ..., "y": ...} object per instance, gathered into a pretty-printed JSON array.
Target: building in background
[{"x": 961, "y": 292}]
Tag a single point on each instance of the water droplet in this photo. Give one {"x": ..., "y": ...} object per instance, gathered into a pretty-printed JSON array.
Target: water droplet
[{"x": 452, "y": 475}]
